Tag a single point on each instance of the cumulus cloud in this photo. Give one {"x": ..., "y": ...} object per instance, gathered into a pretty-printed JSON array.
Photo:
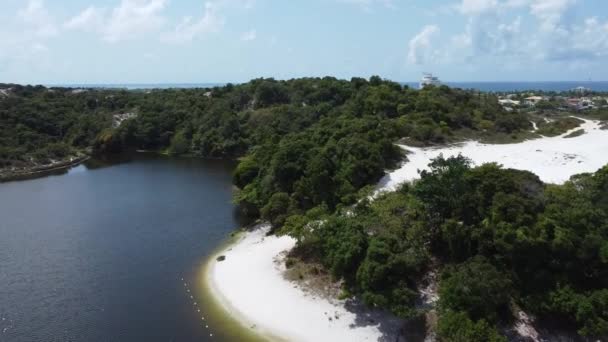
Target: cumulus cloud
[
  {"x": 249, "y": 36},
  {"x": 211, "y": 21},
  {"x": 91, "y": 19},
  {"x": 24, "y": 43},
  {"x": 190, "y": 28},
  {"x": 133, "y": 18},
  {"x": 421, "y": 50},
  {"x": 511, "y": 34},
  {"x": 525, "y": 30},
  {"x": 470, "y": 7},
  {"x": 36, "y": 16},
  {"x": 129, "y": 20},
  {"x": 550, "y": 12}
]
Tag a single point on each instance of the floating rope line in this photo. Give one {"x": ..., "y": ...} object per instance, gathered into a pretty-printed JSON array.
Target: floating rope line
[{"x": 195, "y": 304}]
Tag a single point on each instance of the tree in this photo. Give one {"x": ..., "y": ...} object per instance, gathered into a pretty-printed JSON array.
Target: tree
[
  {"x": 458, "y": 327},
  {"x": 277, "y": 209},
  {"x": 475, "y": 287},
  {"x": 179, "y": 144}
]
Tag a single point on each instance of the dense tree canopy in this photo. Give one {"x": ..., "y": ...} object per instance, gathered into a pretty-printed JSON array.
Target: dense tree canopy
[
  {"x": 497, "y": 236},
  {"x": 315, "y": 140}
]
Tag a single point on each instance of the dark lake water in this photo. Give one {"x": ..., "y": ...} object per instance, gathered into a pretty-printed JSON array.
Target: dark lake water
[{"x": 98, "y": 254}]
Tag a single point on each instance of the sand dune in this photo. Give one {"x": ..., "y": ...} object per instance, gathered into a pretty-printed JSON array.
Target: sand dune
[{"x": 553, "y": 159}]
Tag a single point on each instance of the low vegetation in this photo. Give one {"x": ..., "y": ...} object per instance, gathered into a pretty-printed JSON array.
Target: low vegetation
[
  {"x": 558, "y": 126},
  {"x": 575, "y": 134}
]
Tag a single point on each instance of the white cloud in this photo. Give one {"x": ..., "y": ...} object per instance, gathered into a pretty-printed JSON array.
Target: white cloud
[
  {"x": 190, "y": 28},
  {"x": 91, "y": 19},
  {"x": 129, "y": 20},
  {"x": 492, "y": 32},
  {"x": 36, "y": 16},
  {"x": 550, "y": 12},
  {"x": 421, "y": 49},
  {"x": 134, "y": 18},
  {"x": 211, "y": 21},
  {"x": 580, "y": 43},
  {"x": 470, "y": 7},
  {"x": 23, "y": 45},
  {"x": 249, "y": 36}
]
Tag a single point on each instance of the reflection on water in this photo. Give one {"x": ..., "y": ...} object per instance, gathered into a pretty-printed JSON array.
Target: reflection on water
[
  {"x": 98, "y": 254},
  {"x": 110, "y": 160}
]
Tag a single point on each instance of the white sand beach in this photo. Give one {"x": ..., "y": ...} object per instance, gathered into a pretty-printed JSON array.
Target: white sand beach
[
  {"x": 250, "y": 286},
  {"x": 553, "y": 159}
]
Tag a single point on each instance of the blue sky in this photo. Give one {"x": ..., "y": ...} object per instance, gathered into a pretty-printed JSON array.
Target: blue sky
[{"x": 190, "y": 41}]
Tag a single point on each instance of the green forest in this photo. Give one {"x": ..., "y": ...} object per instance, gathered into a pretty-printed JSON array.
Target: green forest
[
  {"x": 308, "y": 151},
  {"x": 318, "y": 140}
]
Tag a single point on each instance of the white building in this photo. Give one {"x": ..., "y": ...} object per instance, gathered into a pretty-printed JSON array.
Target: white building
[
  {"x": 532, "y": 100},
  {"x": 429, "y": 80}
]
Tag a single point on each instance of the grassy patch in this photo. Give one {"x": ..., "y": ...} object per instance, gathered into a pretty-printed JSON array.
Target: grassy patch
[
  {"x": 558, "y": 126},
  {"x": 308, "y": 273},
  {"x": 494, "y": 137},
  {"x": 576, "y": 133}
]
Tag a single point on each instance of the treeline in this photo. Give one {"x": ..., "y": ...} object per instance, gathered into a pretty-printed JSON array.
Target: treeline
[
  {"x": 303, "y": 142},
  {"x": 38, "y": 124},
  {"x": 500, "y": 239}
]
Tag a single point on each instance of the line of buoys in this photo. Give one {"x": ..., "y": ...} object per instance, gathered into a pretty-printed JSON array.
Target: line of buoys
[{"x": 195, "y": 303}]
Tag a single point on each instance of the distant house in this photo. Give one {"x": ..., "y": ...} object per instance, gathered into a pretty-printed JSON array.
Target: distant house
[
  {"x": 582, "y": 103},
  {"x": 509, "y": 104},
  {"x": 573, "y": 102},
  {"x": 532, "y": 100}
]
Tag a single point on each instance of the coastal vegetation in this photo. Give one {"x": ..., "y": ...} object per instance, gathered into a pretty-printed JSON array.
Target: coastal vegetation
[
  {"x": 310, "y": 150},
  {"x": 499, "y": 238}
]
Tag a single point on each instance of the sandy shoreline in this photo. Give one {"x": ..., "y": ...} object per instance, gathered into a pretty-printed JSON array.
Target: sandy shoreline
[
  {"x": 42, "y": 170},
  {"x": 250, "y": 286}
]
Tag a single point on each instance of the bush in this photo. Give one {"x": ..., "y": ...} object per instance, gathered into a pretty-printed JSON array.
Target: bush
[
  {"x": 277, "y": 209},
  {"x": 458, "y": 327},
  {"x": 475, "y": 287}
]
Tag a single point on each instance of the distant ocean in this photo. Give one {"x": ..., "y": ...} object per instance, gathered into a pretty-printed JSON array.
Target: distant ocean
[{"x": 481, "y": 86}]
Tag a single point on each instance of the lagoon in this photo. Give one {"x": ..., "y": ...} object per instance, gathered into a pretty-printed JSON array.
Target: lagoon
[{"x": 99, "y": 253}]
